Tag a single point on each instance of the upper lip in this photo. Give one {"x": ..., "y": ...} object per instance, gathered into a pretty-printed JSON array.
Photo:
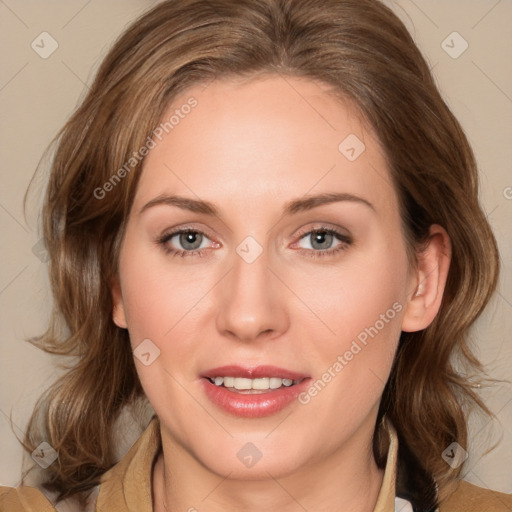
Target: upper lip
[{"x": 253, "y": 372}]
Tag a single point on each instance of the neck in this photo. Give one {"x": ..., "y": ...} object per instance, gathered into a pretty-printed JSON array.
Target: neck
[{"x": 347, "y": 480}]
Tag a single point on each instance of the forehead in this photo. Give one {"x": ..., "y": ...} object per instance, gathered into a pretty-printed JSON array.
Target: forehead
[{"x": 248, "y": 140}]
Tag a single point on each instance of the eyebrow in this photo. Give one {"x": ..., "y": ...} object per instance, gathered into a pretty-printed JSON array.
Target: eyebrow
[{"x": 290, "y": 208}]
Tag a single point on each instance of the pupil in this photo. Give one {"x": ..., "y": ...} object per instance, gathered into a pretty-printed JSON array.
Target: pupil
[
  {"x": 188, "y": 238},
  {"x": 323, "y": 236}
]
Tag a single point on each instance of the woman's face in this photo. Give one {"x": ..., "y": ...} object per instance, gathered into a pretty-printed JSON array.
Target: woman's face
[{"x": 262, "y": 284}]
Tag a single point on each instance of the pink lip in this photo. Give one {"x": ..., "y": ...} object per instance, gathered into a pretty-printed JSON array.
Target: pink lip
[
  {"x": 253, "y": 405},
  {"x": 253, "y": 373}
]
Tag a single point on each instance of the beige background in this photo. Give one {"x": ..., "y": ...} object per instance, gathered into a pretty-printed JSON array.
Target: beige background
[{"x": 37, "y": 95}]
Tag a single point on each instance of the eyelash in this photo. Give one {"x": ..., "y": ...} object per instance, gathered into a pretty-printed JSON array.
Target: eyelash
[{"x": 312, "y": 253}]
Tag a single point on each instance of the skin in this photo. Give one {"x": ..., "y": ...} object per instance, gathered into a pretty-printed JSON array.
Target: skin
[{"x": 249, "y": 147}]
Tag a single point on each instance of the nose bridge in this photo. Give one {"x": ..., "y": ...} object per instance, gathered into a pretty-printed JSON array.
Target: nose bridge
[{"x": 251, "y": 303}]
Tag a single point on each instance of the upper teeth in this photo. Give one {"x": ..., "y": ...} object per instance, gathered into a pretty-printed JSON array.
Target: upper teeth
[{"x": 243, "y": 383}]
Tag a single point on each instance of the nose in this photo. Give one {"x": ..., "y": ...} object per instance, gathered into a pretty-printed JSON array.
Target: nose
[{"x": 251, "y": 301}]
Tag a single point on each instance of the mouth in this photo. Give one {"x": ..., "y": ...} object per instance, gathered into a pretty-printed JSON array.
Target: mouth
[
  {"x": 253, "y": 392},
  {"x": 252, "y": 386}
]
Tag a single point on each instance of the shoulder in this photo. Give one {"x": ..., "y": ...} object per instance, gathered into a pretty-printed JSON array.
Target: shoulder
[
  {"x": 470, "y": 498},
  {"x": 27, "y": 498},
  {"x": 23, "y": 499}
]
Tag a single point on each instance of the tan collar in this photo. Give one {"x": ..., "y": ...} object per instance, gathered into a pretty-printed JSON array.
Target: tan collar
[
  {"x": 386, "y": 498},
  {"x": 127, "y": 486}
]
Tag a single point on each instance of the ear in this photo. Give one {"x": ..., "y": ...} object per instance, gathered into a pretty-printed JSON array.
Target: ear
[
  {"x": 118, "y": 314},
  {"x": 428, "y": 281}
]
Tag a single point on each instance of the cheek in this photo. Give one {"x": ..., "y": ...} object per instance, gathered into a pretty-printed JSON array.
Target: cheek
[
  {"x": 156, "y": 296},
  {"x": 159, "y": 305},
  {"x": 164, "y": 304},
  {"x": 361, "y": 304},
  {"x": 356, "y": 293}
]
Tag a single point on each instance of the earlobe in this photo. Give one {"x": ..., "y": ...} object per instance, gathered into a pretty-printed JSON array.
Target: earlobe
[
  {"x": 118, "y": 315},
  {"x": 430, "y": 278}
]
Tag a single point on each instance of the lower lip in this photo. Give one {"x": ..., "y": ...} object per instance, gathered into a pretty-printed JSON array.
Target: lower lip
[{"x": 253, "y": 405}]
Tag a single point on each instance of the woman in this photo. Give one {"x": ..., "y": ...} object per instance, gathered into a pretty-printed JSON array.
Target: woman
[{"x": 322, "y": 201}]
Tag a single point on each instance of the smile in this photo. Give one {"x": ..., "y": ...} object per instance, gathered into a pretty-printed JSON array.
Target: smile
[
  {"x": 253, "y": 392},
  {"x": 244, "y": 385}
]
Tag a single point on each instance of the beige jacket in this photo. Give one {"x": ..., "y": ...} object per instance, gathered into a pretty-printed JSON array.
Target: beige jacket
[{"x": 126, "y": 487}]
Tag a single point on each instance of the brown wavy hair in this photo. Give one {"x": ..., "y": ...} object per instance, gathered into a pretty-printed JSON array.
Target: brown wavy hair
[{"x": 361, "y": 49}]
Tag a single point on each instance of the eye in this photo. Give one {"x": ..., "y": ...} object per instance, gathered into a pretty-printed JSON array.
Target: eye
[
  {"x": 191, "y": 240},
  {"x": 321, "y": 240}
]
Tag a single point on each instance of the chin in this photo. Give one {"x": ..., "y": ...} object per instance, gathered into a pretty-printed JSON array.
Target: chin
[{"x": 261, "y": 470}]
